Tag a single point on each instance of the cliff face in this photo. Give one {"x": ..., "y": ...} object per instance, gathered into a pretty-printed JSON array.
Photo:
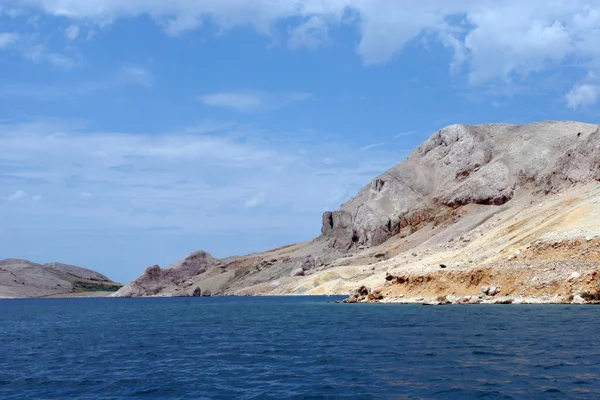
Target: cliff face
[
  {"x": 462, "y": 165},
  {"x": 462, "y": 173},
  {"x": 22, "y": 279}
]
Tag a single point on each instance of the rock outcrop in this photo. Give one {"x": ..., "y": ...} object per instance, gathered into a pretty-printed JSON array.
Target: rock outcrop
[
  {"x": 154, "y": 279},
  {"x": 461, "y": 165},
  {"x": 24, "y": 279}
]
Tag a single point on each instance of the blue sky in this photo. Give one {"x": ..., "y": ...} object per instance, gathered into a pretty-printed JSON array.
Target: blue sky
[{"x": 133, "y": 133}]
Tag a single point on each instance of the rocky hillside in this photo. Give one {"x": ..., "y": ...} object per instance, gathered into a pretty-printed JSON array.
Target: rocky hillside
[
  {"x": 443, "y": 196},
  {"x": 461, "y": 165},
  {"x": 23, "y": 279}
]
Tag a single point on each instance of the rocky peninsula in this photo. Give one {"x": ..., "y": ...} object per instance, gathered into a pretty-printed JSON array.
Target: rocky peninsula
[{"x": 490, "y": 213}]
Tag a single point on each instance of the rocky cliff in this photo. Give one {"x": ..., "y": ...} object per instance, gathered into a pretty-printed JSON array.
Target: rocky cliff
[
  {"x": 460, "y": 165},
  {"x": 448, "y": 188},
  {"x": 23, "y": 279}
]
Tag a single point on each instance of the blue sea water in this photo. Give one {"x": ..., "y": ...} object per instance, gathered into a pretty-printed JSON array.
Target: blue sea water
[{"x": 294, "y": 348}]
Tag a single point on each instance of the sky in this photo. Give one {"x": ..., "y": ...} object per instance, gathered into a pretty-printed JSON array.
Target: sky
[{"x": 134, "y": 133}]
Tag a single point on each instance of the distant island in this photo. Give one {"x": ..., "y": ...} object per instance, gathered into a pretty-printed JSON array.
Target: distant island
[
  {"x": 492, "y": 213},
  {"x": 26, "y": 279}
]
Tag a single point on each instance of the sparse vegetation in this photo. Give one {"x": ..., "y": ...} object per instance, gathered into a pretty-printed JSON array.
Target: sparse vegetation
[{"x": 91, "y": 286}]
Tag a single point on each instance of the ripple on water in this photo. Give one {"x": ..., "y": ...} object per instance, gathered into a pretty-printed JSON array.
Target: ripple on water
[{"x": 292, "y": 348}]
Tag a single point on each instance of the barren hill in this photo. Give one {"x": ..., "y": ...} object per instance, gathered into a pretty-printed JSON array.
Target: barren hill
[
  {"x": 487, "y": 204},
  {"x": 22, "y": 279}
]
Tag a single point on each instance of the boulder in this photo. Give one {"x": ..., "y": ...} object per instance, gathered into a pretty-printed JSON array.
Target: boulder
[
  {"x": 485, "y": 290},
  {"x": 375, "y": 295},
  {"x": 392, "y": 279},
  {"x": 298, "y": 271},
  {"x": 452, "y": 299},
  {"x": 363, "y": 291},
  {"x": 578, "y": 300},
  {"x": 587, "y": 296},
  {"x": 206, "y": 293},
  {"x": 474, "y": 300},
  {"x": 306, "y": 263},
  {"x": 337, "y": 226}
]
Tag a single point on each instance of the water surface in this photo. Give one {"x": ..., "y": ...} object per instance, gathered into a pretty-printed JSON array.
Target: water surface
[{"x": 294, "y": 348}]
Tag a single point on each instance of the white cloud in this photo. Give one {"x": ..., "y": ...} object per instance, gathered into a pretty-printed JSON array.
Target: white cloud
[
  {"x": 181, "y": 23},
  {"x": 256, "y": 200},
  {"x": 251, "y": 101},
  {"x": 7, "y": 38},
  {"x": 198, "y": 179},
  {"x": 40, "y": 53},
  {"x": 72, "y": 32},
  {"x": 243, "y": 102},
  {"x": 516, "y": 38},
  {"x": 460, "y": 51},
  {"x": 18, "y": 195},
  {"x": 583, "y": 95},
  {"x": 136, "y": 76},
  {"x": 21, "y": 195},
  {"x": 9, "y": 11},
  {"x": 311, "y": 34},
  {"x": 407, "y": 133},
  {"x": 492, "y": 40},
  {"x": 371, "y": 146},
  {"x": 28, "y": 46},
  {"x": 126, "y": 76}
]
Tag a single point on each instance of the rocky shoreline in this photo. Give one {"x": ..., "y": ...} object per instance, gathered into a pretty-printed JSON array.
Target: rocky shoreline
[{"x": 487, "y": 295}]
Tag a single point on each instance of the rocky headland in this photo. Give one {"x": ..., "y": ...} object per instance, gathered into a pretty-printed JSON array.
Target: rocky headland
[
  {"x": 476, "y": 214},
  {"x": 26, "y": 279}
]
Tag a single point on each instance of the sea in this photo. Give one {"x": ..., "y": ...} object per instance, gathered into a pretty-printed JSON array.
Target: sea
[{"x": 294, "y": 348}]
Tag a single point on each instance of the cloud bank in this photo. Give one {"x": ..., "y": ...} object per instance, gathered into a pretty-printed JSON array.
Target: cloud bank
[
  {"x": 199, "y": 179},
  {"x": 492, "y": 40}
]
